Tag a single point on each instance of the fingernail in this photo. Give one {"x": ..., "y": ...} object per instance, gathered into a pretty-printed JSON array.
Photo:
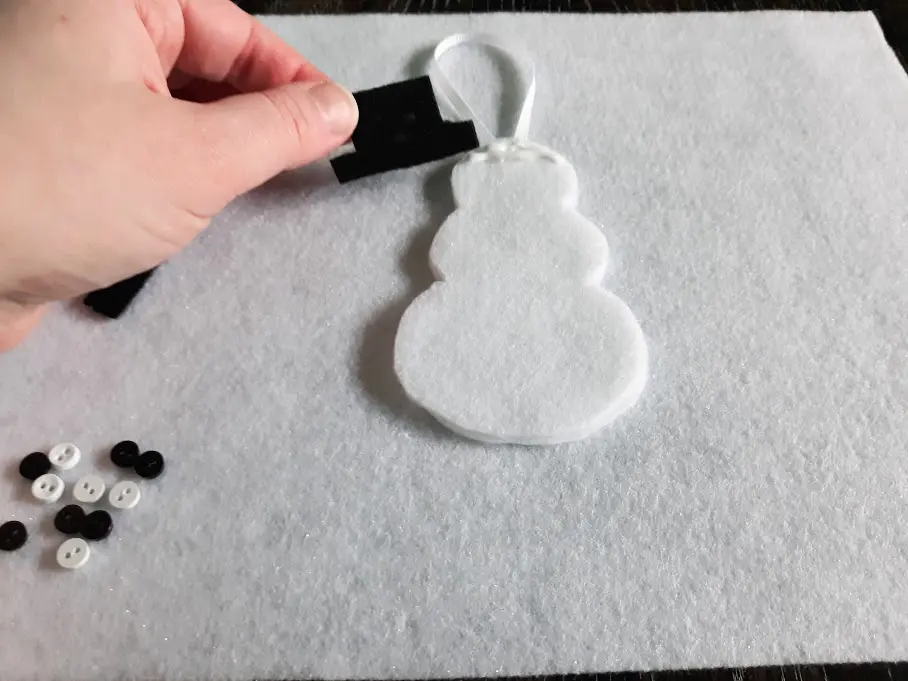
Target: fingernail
[{"x": 337, "y": 106}]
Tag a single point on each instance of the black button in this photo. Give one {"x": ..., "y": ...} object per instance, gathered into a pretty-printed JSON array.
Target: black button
[
  {"x": 13, "y": 535},
  {"x": 70, "y": 519},
  {"x": 150, "y": 465},
  {"x": 124, "y": 454},
  {"x": 96, "y": 526},
  {"x": 34, "y": 466}
]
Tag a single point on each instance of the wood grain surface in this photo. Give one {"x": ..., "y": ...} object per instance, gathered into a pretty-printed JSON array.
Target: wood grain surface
[{"x": 893, "y": 17}]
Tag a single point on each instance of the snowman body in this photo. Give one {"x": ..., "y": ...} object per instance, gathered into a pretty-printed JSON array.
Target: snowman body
[{"x": 516, "y": 342}]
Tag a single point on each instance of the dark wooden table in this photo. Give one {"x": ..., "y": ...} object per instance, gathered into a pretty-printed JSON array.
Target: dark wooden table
[{"x": 893, "y": 16}]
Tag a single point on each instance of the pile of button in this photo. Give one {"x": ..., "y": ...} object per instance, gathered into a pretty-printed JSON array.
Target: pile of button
[{"x": 72, "y": 520}]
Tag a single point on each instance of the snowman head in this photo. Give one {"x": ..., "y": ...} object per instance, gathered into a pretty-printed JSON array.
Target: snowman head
[{"x": 516, "y": 171}]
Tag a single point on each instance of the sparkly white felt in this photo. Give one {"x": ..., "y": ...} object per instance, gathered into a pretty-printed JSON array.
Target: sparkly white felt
[
  {"x": 517, "y": 343},
  {"x": 750, "y": 173}
]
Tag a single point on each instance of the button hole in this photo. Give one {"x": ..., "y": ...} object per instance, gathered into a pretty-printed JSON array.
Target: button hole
[
  {"x": 77, "y": 551},
  {"x": 69, "y": 555},
  {"x": 120, "y": 498}
]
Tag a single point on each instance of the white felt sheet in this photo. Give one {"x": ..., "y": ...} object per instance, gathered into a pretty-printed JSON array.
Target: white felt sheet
[{"x": 749, "y": 172}]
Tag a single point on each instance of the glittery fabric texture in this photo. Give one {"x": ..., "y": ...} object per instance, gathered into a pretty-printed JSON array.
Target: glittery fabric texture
[{"x": 749, "y": 173}]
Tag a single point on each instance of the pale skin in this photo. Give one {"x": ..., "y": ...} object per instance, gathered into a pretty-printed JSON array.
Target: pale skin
[{"x": 126, "y": 125}]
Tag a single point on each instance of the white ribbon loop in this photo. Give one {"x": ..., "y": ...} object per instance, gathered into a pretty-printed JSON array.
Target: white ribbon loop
[{"x": 510, "y": 49}]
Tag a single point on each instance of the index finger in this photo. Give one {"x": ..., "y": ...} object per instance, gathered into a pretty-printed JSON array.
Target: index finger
[{"x": 223, "y": 43}]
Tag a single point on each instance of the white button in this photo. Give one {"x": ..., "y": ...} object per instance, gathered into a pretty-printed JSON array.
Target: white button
[
  {"x": 64, "y": 456},
  {"x": 89, "y": 489},
  {"x": 48, "y": 488},
  {"x": 125, "y": 494},
  {"x": 73, "y": 554}
]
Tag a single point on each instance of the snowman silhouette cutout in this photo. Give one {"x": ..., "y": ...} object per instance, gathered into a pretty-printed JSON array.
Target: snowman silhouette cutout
[{"x": 516, "y": 342}]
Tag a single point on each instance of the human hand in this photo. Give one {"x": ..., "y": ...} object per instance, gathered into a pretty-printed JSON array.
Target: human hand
[{"x": 104, "y": 173}]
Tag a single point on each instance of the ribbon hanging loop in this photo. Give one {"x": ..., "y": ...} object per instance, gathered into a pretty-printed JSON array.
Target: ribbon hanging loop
[{"x": 453, "y": 99}]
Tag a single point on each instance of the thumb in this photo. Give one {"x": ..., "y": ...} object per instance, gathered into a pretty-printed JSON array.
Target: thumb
[{"x": 249, "y": 138}]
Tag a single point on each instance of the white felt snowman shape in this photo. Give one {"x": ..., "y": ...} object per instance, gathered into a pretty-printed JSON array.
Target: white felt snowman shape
[{"x": 517, "y": 342}]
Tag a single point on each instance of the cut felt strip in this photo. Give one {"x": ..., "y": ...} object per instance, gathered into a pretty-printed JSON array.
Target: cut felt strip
[
  {"x": 392, "y": 113},
  {"x": 113, "y": 301},
  {"x": 400, "y": 126},
  {"x": 446, "y": 140}
]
